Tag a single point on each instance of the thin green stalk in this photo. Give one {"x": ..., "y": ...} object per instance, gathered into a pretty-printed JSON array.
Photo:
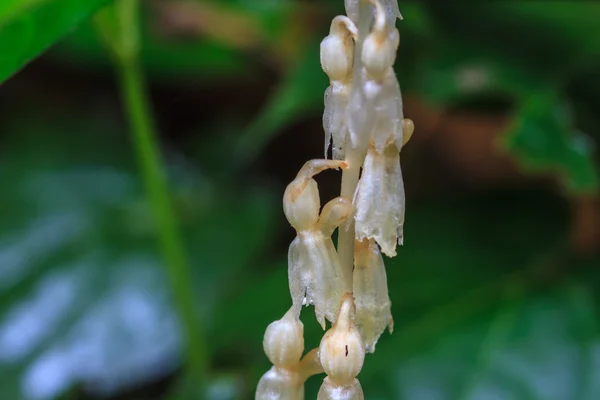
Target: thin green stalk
[
  {"x": 118, "y": 27},
  {"x": 151, "y": 167}
]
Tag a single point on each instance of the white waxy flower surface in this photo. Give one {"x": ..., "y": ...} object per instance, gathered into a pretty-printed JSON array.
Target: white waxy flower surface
[
  {"x": 314, "y": 271},
  {"x": 283, "y": 344},
  {"x": 364, "y": 123},
  {"x": 379, "y": 200},
  {"x": 337, "y": 57},
  {"x": 373, "y": 306},
  {"x": 375, "y": 107},
  {"x": 284, "y": 341}
]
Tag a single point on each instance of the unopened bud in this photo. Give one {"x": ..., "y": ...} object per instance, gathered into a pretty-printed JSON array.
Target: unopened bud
[
  {"x": 284, "y": 341},
  {"x": 337, "y": 49},
  {"x": 342, "y": 352},
  {"x": 301, "y": 204},
  {"x": 334, "y": 213},
  {"x": 379, "y": 49},
  {"x": 301, "y": 201}
]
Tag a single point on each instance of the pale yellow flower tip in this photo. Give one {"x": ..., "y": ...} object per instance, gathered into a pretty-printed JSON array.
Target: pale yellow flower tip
[{"x": 408, "y": 127}]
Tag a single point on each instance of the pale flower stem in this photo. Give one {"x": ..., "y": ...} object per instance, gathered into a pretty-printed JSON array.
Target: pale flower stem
[
  {"x": 346, "y": 231},
  {"x": 350, "y": 176}
]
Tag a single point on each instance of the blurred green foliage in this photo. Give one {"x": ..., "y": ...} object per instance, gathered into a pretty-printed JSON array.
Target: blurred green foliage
[{"x": 488, "y": 300}]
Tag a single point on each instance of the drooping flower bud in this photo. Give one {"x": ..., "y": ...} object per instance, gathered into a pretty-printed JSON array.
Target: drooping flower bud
[
  {"x": 301, "y": 201},
  {"x": 283, "y": 344},
  {"x": 373, "y": 306},
  {"x": 337, "y": 49},
  {"x": 342, "y": 351},
  {"x": 380, "y": 201},
  {"x": 379, "y": 49},
  {"x": 333, "y": 214},
  {"x": 284, "y": 341},
  {"x": 314, "y": 271}
]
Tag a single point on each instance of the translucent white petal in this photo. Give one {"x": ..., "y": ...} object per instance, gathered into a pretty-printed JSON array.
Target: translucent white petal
[
  {"x": 375, "y": 113},
  {"x": 361, "y": 112},
  {"x": 379, "y": 201},
  {"x": 373, "y": 306},
  {"x": 391, "y": 9},
  {"x": 334, "y": 118},
  {"x": 352, "y": 9},
  {"x": 314, "y": 272},
  {"x": 390, "y": 6},
  {"x": 388, "y": 122}
]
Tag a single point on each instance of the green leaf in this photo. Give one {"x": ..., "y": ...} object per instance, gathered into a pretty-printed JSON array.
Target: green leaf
[
  {"x": 84, "y": 298},
  {"x": 543, "y": 138},
  {"x": 28, "y": 27}
]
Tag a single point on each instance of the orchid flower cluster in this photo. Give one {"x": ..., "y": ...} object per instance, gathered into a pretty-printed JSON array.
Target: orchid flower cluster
[{"x": 366, "y": 129}]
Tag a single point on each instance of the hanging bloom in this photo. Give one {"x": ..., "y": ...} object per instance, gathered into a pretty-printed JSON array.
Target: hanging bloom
[
  {"x": 375, "y": 106},
  {"x": 379, "y": 200},
  {"x": 283, "y": 344},
  {"x": 337, "y": 57},
  {"x": 315, "y": 274},
  {"x": 342, "y": 354},
  {"x": 373, "y": 306}
]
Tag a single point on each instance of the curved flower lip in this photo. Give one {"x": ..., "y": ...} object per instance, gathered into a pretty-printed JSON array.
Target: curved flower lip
[{"x": 310, "y": 169}]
